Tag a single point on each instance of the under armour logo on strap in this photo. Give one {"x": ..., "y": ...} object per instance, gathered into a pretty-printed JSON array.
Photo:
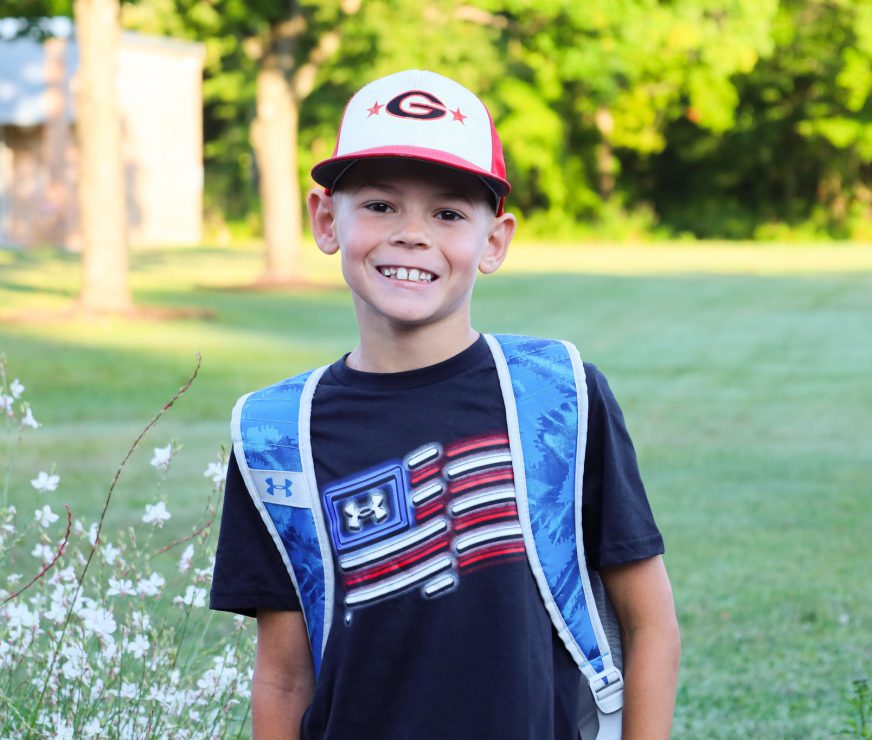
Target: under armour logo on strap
[
  {"x": 356, "y": 514},
  {"x": 271, "y": 487}
]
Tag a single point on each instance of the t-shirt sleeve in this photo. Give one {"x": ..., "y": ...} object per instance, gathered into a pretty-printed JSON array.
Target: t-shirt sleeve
[
  {"x": 617, "y": 521},
  {"x": 249, "y": 572}
]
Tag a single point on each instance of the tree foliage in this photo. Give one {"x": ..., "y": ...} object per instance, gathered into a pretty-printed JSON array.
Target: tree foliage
[{"x": 720, "y": 118}]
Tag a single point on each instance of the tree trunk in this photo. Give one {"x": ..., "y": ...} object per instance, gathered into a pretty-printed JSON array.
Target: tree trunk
[
  {"x": 105, "y": 285},
  {"x": 605, "y": 159},
  {"x": 283, "y": 81},
  {"x": 274, "y": 134}
]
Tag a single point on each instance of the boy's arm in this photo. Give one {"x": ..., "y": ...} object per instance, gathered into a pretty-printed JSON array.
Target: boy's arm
[
  {"x": 283, "y": 679},
  {"x": 642, "y": 597}
]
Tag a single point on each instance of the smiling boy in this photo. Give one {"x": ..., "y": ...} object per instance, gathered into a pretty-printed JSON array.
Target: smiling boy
[{"x": 378, "y": 519}]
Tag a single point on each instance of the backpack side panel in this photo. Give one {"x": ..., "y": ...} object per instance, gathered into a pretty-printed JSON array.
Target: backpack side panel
[{"x": 271, "y": 442}]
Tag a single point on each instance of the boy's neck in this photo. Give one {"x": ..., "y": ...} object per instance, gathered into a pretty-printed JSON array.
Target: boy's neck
[{"x": 396, "y": 352}]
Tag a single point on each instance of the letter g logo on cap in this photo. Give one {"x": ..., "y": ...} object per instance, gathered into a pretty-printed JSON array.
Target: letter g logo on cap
[{"x": 417, "y": 104}]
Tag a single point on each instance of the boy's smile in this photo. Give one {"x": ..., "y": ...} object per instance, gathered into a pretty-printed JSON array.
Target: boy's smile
[
  {"x": 412, "y": 274},
  {"x": 411, "y": 236}
]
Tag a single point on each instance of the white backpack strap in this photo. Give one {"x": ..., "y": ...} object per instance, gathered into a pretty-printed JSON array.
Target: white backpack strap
[
  {"x": 545, "y": 396},
  {"x": 272, "y": 446}
]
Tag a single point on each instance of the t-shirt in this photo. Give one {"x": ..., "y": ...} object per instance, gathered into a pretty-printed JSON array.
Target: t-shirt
[{"x": 440, "y": 631}]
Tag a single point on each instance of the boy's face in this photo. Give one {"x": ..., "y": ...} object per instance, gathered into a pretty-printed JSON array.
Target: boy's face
[{"x": 411, "y": 236}]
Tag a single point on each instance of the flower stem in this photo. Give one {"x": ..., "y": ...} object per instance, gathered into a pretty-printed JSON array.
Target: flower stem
[{"x": 81, "y": 579}]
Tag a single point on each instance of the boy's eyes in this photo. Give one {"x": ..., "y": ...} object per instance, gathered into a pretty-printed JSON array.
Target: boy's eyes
[
  {"x": 378, "y": 207},
  {"x": 447, "y": 214},
  {"x": 444, "y": 214}
]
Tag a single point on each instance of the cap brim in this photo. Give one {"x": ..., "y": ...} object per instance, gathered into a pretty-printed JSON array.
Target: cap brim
[{"x": 325, "y": 173}]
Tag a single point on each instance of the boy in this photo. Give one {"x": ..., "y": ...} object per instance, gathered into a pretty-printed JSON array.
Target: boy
[{"x": 437, "y": 626}]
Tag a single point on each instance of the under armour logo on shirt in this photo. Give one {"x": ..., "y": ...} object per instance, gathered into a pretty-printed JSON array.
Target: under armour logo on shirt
[{"x": 355, "y": 514}]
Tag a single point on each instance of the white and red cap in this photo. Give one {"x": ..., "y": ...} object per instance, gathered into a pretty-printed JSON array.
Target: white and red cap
[{"x": 419, "y": 115}]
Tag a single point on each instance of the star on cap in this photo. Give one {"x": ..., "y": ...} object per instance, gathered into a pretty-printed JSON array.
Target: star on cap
[
  {"x": 458, "y": 116},
  {"x": 374, "y": 111}
]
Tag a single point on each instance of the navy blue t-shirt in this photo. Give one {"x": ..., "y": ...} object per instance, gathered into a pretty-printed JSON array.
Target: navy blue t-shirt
[{"x": 440, "y": 633}]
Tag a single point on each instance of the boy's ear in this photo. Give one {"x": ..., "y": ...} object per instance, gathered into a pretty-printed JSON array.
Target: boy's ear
[
  {"x": 323, "y": 220},
  {"x": 501, "y": 233}
]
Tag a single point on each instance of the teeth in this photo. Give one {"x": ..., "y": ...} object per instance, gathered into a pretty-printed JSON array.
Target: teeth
[{"x": 402, "y": 273}]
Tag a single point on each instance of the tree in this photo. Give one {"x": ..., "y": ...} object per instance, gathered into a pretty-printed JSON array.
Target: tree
[
  {"x": 105, "y": 286},
  {"x": 593, "y": 86},
  {"x": 295, "y": 48},
  {"x": 100, "y": 189}
]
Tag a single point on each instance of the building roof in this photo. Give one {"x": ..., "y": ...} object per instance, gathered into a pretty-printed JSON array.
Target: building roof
[
  {"x": 23, "y": 99},
  {"x": 22, "y": 80}
]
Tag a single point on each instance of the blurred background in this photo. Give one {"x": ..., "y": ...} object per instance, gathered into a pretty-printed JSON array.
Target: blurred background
[
  {"x": 715, "y": 119},
  {"x": 693, "y": 180}
]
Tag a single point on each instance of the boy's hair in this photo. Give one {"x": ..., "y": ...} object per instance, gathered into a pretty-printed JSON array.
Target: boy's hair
[{"x": 418, "y": 115}]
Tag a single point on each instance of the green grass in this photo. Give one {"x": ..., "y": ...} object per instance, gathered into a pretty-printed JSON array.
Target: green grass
[{"x": 745, "y": 375}]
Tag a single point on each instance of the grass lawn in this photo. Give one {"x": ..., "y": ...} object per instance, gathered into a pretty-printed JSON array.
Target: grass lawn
[{"x": 745, "y": 374}]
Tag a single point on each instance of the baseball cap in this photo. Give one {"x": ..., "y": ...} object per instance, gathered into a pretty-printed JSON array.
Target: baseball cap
[{"x": 418, "y": 115}]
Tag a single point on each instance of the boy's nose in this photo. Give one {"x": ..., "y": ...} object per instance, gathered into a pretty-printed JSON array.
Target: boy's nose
[{"x": 410, "y": 232}]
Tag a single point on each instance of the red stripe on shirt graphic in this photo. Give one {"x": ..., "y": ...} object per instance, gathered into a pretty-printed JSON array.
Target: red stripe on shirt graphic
[{"x": 419, "y": 524}]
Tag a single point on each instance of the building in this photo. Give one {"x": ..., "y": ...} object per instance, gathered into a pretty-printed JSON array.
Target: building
[{"x": 160, "y": 85}]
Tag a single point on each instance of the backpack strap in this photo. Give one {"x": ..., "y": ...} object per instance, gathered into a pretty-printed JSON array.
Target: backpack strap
[
  {"x": 545, "y": 395},
  {"x": 270, "y": 429}
]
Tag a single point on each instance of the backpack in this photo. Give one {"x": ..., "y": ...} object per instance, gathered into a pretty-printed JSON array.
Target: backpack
[{"x": 545, "y": 395}]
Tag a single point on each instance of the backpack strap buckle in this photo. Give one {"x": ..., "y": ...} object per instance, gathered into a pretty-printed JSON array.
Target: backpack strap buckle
[{"x": 607, "y": 688}]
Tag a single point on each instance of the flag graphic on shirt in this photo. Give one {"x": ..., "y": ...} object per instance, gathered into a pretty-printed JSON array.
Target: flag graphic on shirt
[{"x": 420, "y": 523}]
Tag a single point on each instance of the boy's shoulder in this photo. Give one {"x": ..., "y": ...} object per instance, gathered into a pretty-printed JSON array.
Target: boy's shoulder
[{"x": 517, "y": 346}]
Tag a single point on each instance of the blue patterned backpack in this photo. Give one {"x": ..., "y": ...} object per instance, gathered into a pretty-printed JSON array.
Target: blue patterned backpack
[{"x": 545, "y": 395}]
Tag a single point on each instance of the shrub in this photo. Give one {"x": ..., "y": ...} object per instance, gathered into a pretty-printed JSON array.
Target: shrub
[{"x": 105, "y": 637}]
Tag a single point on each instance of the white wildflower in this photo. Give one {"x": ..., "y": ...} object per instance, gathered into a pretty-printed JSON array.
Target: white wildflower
[
  {"x": 98, "y": 621},
  {"x": 162, "y": 457},
  {"x": 194, "y": 596},
  {"x": 138, "y": 646},
  {"x": 57, "y": 613},
  {"x": 75, "y": 661},
  {"x": 120, "y": 587},
  {"x": 61, "y": 729},
  {"x": 92, "y": 728},
  {"x": 141, "y": 621},
  {"x": 96, "y": 690},
  {"x": 109, "y": 552},
  {"x": 158, "y": 694},
  {"x": 45, "y": 482},
  {"x": 16, "y": 388},
  {"x": 92, "y": 534},
  {"x": 29, "y": 421},
  {"x": 44, "y": 552},
  {"x": 5, "y": 655},
  {"x": 128, "y": 690},
  {"x": 185, "y": 560},
  {"x": 6, "y": 404},
  {"x": 45, "y": 516},
  {"x": 65, "y": 575},
  {"x": 19, "y": 617},
  {"x": 217, "y": 472},
  {"x": 13, "y": 578},
  {"x": 156, "y": 513},
  {"x": 150, "y": 586}
]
